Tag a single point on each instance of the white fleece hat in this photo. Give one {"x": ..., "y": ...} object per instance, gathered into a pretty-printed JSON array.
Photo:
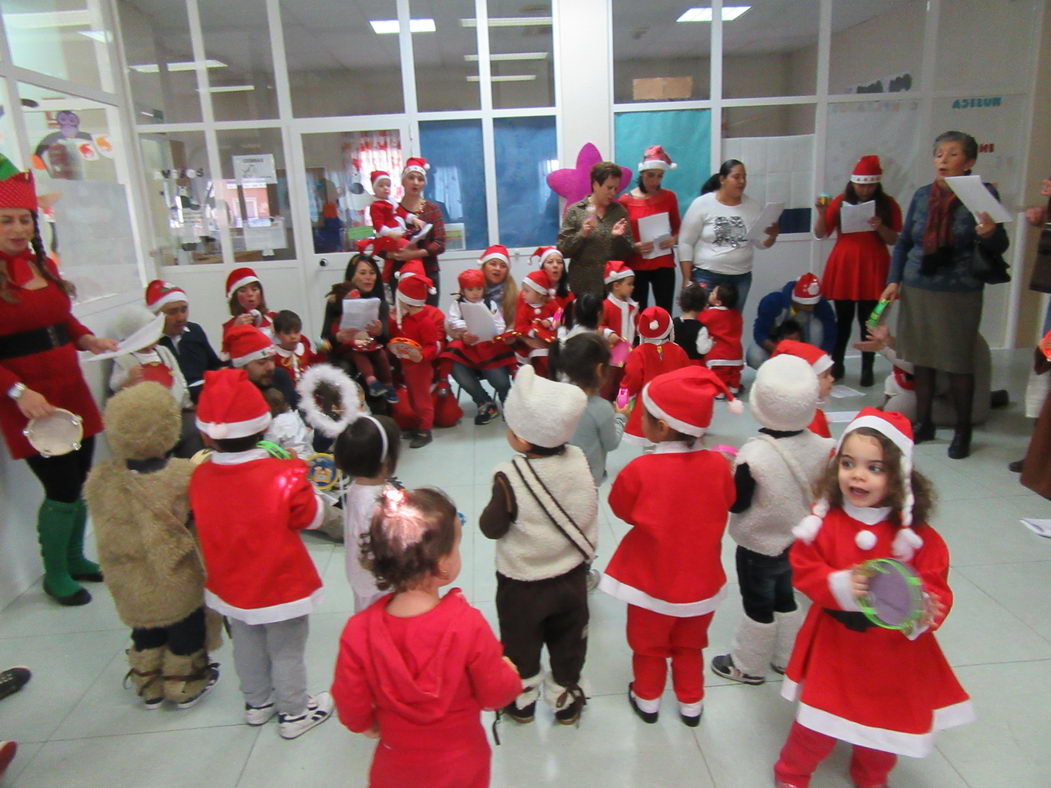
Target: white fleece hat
[
  {"x": 784, "y": 394},
  {"x": 541, "y": 411}
]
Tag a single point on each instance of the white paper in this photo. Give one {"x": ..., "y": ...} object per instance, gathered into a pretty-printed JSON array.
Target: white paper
[
  {"x": 973, "y": 194},
  {"x": 839, "y": 391},
  {"x": 771, "y": 213},
  {"x": 144, "y": 337},
  {"x": 655, "y": 228},
  {"x": 256, "y": 167},
  {"x": 1039, "y": 527},
  {"x": 840, "y": 416},
  {"x": 358, "y": 313},
  {"x": 479, "y": 320},
  {"x": 855, "y": 218}
]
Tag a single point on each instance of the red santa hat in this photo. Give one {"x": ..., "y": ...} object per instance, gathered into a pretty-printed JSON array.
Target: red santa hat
[
  {"x": 541, "y": 411},
  {"x": 246, "y": 344},
  {"x": 472, "y": 277},
  {"x": 160, "y": 293},
  {"x": 238, "y": 278},
  {"x": 409, "y": 269},
  {"x": 807, "y": 289},
  {"x": 817, "y": 358},
  {"x": 616, "y": 270},
  {"x": 538, "y": 281},
  {"x": 867, "y": 170},
  {"x": 497, "y": 251},
  {"x": 366, "y": 246},
  {"x": 231, "y": 406},
  {"x": 684, "y": 399},
  {"x": 654, "y": 158},
  {"x": 377, "y": 175},
  {"x": 898, "y": 430},
  {"x": 18, "y": 191},
  {"x": 414, "y": 289},
  {"x": 416, "y": 164},
  {"x": 654, "y": 324},
  {"x": 542, "y": 253}
]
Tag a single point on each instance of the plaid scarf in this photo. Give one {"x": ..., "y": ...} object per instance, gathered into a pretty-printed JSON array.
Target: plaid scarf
[{"x": 937, "y": 234}]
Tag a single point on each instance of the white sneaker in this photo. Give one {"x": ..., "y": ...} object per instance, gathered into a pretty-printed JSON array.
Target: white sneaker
[
  {"x": 319, "y": 709},
  {"x": 260, "y": 715}
]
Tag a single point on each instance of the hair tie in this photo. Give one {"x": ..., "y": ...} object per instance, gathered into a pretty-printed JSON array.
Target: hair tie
[{"x": 402, "y": 522}]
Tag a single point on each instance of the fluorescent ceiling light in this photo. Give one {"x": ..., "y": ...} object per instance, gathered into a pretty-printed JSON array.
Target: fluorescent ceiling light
[
  {"x": 383, "y": 27},
  {"x": 510, "y": 56},
  {"x": 183, "y": 65},
  {"x": 231, "y": 88},
  {"x": 730, "y": 13},
  {"x": 507, "y": 78},
  {"x": 510, "y": 21},
  {"x": 102, "y": 36}
]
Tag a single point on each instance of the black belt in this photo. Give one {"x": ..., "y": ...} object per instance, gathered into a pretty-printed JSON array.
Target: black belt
[
  {"x": 26, "y": 343},
  {"x": 856, "y": 622}
]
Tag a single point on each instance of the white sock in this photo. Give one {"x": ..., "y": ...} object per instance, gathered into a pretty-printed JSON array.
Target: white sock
[
  {"x": 691, "y": 709},
  {"x": 648, "y": 706}
]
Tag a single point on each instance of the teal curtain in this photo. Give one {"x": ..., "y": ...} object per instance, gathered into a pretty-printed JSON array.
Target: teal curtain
[{"x": 686, "y": 136}]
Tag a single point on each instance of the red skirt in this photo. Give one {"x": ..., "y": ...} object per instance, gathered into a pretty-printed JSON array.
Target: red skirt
[
  {"x": 483, "y": 355},
  {"x": 856, "y": 269}
]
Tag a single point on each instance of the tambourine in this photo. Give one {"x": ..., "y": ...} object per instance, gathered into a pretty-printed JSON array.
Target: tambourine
[
  {"x": 895, "y": 595},
  {"x": 323, "y": 473},
  {"x": 275, "y": 450},
  {"x": 56, "y": 434},
  {"x": 403, "y": 347}
]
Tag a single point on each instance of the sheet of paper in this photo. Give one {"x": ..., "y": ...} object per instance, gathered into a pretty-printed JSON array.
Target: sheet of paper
[
  {"x": 144, "y": 337},
  {"x": 1039, "y": 527},
  {"x": 855, "y": 218},
  {"x": 771, "y": 213},
  {"x": 840, "y": 416},
  {"x": 655, "y": 228},
  {"x": 840, "y": 391},
  {"x": 973, "y": 194},
  {"x": 358, "y": 313},
  {"x": 479, "y": 320}
]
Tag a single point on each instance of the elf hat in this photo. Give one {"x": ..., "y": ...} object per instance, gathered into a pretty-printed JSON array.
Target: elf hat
[
  {"x": 231, "y": 406},
  {"x": 616, "y": 270},
  {"x": 817, "y": 358},
  {"x": 784, "y": 394},
  {"x": 377, "y": 175},
  {"x": 246, "y": 344},
  {"x": 867, "y": 170},
  {"x": 472, "y": 277},
  {"x": 541, "y": 411},
  {"x": 654, "y": 158},
  {"x": 807, "y": 289},
  {"x": 542, "y": 253},
  {"x": 160, "y": 293},
  {"x": 684, "y": 399},
  {"x": 416, "y": 164},
  {"x": 539, "y": 282},
  {"x": 497, "y": 251},
  {"x": 896, "y": 428},
  {"x": 17, "y": 189},
  {"x": 654, "y": 324},
  {"x": 238, "y": 278}
]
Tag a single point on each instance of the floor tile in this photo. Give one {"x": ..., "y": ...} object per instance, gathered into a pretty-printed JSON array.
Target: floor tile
[{"x": 1023, "y": 589}]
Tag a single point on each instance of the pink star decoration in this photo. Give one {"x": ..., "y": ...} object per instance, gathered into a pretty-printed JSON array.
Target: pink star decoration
[{"x": 575, "y": 184}]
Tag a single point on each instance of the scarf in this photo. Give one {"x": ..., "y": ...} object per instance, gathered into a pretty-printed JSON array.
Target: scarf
[
  {"x": 937, "y": 233},
  {"x": 19, "y": 270}
]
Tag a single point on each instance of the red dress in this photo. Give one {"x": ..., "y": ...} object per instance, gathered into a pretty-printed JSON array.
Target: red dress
[
  {"x": 875, "y": 688},
  {"x": 857, "y": 266},
  {"x": 54, "y": 373},
  {"x": 664, "y": 201},
  {"x": 424, "y": 680},
  {"x": 646, "y": 362}
]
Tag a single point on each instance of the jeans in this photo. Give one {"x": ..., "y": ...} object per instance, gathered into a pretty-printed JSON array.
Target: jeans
[
  {"x": 470, "y": 380},
  {"x": 766, "y": 584},
  {"x": 743, "y": 283}
]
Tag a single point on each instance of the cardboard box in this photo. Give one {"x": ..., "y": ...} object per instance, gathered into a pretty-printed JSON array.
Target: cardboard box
[{"x": 662, "y": 88}]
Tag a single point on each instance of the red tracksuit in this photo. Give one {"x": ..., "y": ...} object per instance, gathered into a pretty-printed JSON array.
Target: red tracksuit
[{"x": 427, "y": 328}]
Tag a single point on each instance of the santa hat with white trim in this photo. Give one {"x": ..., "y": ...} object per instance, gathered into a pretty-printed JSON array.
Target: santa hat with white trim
[
  {"x": 246, "y": 344},
  {"x": 654, "y": 158},
  {"x": 542, "y": 253},
  {"x": 898, "y": 430},
  {"x": 817, "y": 358},
  {"x": 867, "y": 170},
  {"x": 654, "y": 324},
  {"x": 497, "y": 251},
  {"x": 807, "y": 289},
  {"x": 616, "y": 270},
  {"x": 684, "y": 399},
  {"x": 416, "y": 164},
  {"x": 541, "y": 411},
  {"x": 539, "y": 282},
  {"x": 160, "y": 293},
  {"x": 377, "y": 175},
  {"x": 238, "y": 278},
  {"x": 413, "y": 289},
  {"x": 231, "y": 405}
]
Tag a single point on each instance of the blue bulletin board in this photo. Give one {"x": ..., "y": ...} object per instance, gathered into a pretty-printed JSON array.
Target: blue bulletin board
[{"x": 685, "y": 135}]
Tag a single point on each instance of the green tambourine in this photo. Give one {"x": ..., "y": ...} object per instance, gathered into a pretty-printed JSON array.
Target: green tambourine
[
  {"x": 271, "y": 448},
  {"x": 895, "y": 595}
]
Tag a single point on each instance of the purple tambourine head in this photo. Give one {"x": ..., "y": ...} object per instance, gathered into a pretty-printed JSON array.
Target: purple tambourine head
[{"x": 895, "y": 595}]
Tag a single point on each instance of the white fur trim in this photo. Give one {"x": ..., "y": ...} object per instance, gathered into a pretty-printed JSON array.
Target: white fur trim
[
  {"x": 504, "y": 257},
  {"x": 882, "y": 426},
  {"x": 168, "y": 298},
  {"x": 822, "y": 364},
  {"x": 865, "y": 539},
  {"x": 870, "y": 515},
  {"x": 753, "y": 645},
  {"x": 656, "y": 164},
  {"x": 319, "y": 513},
  {"x": 691, "y": 709},
  {"x": 530, "y": 690},
  {"x": 539, "y": 261},
  {"x": 266, "y": 615},
  {"x": 237, "y": 285},
  {"x": 647, "y": 705},
  {"x": 735, "y": 406},
  {"x": 392, "y": 232},
  {"x": 808, "y": 528},
  {"x": 789, "y": 689},
  {"x": 635, "y": 596},
  {"x": 865, "y": 178},
  {"x": 535, "y": 286},
  {"x": 704, "y": 342},
  {"x": 839, "y": 584},
  {"x": 906, "y": 543},
  {"x": 348, "y": 397},
  {"x": 255, "y": 355},
  {"x": 411, "y": 301},
  {"x": 618, "y": 275},
  {"x": 235, "y": 429},
  {"x": 682, "y": 426}
]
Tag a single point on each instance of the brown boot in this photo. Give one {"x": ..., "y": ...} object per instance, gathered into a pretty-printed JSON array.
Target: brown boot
[
  {"x": 188, "y": 678},
  {"x": 145, "y": 675}
]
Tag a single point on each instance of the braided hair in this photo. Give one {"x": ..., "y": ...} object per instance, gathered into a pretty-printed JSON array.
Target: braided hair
[{"x": 41, "y": 259}]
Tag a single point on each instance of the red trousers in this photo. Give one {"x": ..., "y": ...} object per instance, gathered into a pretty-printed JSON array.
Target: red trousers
[
  {"x": 372, "y": 364},
  {"x": 418, "y": 379},
  {"x": 805, "y": 749},
  {"x": 654, "y": 638},
  {"x": 731, "y": 376}
]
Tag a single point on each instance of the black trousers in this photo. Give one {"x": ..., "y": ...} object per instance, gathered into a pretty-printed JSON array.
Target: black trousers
[
  {"x": 844, "y": 319},
  {"x": 662, "y": 280},
  {"x": 552, "y": 612},
  {"x": 64, "y": 475},
  {"x": 766, "y": 584},
  {"x": 183, "y": 637}
]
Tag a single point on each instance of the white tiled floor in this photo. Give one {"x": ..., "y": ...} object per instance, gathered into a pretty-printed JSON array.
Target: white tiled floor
[{"x": 78, "y": 727}]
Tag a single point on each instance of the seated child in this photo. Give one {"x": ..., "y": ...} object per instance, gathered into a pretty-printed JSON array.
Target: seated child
[
  {"x": 620, "y": 318},
  {"x": 535, "y": 328},
  {"x": 821, "y": 363},
  {"x": 292, "y": 350},
  {"x": 723, "y": 321},
  {"x": 416, "y": 320},
  {"x": 415, "y": 669},
  {"x": 690, "y": 335},
  {"x": 543, "y": 515},
  {"x": 654, "y": 355},
  {"x": 583, "y": 361},
  {"x": 286, "y": 428}
]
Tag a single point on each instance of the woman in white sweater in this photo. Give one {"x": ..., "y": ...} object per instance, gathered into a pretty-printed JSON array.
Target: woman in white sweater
[{"x": 713, "y": 239}]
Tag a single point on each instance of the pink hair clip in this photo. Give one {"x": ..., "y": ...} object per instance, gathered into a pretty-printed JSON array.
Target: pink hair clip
[{"x": 403, "y": 523}]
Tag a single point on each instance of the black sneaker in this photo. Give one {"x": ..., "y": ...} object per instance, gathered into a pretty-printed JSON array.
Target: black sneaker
[
  {"x": 523, "y": 715},
  {"x": 649, "y": 717},
  {"x": 486, "y": 413},
  {"x": 420, "y": 439},
  {"x": 574, "y": 700},
  {"x": 12, "y": 680},
  {"x": 723, "y": 665}
]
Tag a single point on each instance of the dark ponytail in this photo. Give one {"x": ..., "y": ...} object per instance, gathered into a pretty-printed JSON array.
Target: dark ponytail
[{"x": 713, "y": 183}]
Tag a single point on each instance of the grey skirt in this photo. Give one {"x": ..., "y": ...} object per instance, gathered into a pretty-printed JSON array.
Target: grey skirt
[{"x": 938, "y": 329}]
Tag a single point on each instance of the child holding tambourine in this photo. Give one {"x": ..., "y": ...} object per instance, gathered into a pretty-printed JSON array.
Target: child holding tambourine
[{"x": 886, "y": 691}]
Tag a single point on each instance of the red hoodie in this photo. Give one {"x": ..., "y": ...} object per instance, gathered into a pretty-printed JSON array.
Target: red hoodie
[{"x": 425, "y": 681}]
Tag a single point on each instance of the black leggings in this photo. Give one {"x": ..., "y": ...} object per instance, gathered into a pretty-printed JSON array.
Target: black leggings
[
  {"x": 63, "y": 476},
  {"x": 183, "y": 637},
  {"x": 844, "y": 319},
  {"x": 662, "y": 280}
]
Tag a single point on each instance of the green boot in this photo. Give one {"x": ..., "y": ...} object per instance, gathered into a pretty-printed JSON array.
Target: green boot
[
  {"x": 54, "y": 528},
  {"x": 81, "y": 568}
]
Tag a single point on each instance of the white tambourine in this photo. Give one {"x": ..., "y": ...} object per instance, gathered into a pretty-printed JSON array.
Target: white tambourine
[{"x": 56, "y": 434}]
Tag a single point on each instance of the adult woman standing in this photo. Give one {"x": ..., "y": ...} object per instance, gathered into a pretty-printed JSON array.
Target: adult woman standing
[
  {"x": 941, "y": 300},
  {"x": 414, "y": 179},
  {"x": 500, "y": 288},
  {"x": 713, "y": 238},
  {"x": 649, "y": 199},
  {"x": 594, "y": 231},
  {"x": 39, "y": 372},
  {"x": 856, "y": 270}
]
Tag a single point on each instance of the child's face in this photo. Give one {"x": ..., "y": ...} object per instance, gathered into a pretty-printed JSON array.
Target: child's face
[
  {"x": 862, "y": 473},
  {"x": 713, "y": 297},
  {"x": 824, "y": 382},
  {"x": 382, "y": 188},
  {"x": 473, "y": 294},
  {"x": 623, "y": 288},
  {"x": 409, "y": 309},
  {"x": 250, "y": 296},
  {"x": 532, "y": 297},
  {"x": 288, "y": 339},
  {"x": 449, "y": 565}
]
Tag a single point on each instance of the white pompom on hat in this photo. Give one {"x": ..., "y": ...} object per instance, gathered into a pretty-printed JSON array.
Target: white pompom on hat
[
  {"x": 542, "y": 412},
  {"x": 654, "y": 324},
  {"x": 784, "y": 394}
]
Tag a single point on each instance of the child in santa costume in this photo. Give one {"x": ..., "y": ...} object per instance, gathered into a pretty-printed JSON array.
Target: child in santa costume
[
  {"x": 667, "y": 567},
  {"x": 249, "y": 508},
  {"x": 724, "y": 326},
  {"x": 414, "y": 319},
  {"x": 774, "y": 475},
  {"x": 620, "y": 318},
  {"x": 395, "y": 227},
  {"x": 473, "y": 359},
  {"x": 415, "y": 669},
  {"x": 292, "y": 351},
  {"x": 535, "y": 329},
  {"x": 821, "y": 363},
  {"x": 543, "y": 515},
  {"x": 655, "y": 355},
  {"x": 882, "y": 690},
  {"x": 247, "y": 302}
]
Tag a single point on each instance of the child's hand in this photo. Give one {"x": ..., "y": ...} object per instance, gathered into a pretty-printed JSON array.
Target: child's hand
[
  {"x": 372, "y": 732},
  {"x": 514, "y": 667},
  {"x": 932, "y": 611},
  {"x": 134, "y": 376},
  {"x": 469, "y": 338},
  {"x": 622, "y": 411},
  {"x": 613, "y": 338},
  {"x": 859, "y": 582},
  {"x": 547, "y": 323}
]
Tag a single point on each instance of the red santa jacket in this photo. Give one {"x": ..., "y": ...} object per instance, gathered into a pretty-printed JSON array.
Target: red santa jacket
[
  {"x": 676, "y": 501},
  {"x": 426, "y": 327},
  {"x": 875, "y": 688},
  {"x": 296, "y": 361},
  {"x": 537, "y": 321},
  {"x": 819, "y": 426},
  {"x": 646, "y": 362},
  {"x": 620, "y": 317},
  {"x": 724, "y": 326},
  {"x": 382, "y": 214},
  {"x": 249, "y": 508}
]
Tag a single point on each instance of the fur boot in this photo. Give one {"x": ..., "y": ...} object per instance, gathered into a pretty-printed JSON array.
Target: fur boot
[
  {"x": 187, "y": 678},
  {"x": 788, "y": 625},
  {"x": 530, "y": 691},
  {"x": 566, "y": 702},
  {"x": 753, "y": 646},
  {"x": 145, "y": 675}
]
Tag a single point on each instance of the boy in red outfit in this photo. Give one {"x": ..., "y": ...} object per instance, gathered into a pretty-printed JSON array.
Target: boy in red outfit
[
  {"x": 292, "y": 351},
  {"x": 668, "y": 567},
  {"x": 424, "y": 328},
  {"x": 723, "y": 321},
  {"x": 655, "y": 355}
]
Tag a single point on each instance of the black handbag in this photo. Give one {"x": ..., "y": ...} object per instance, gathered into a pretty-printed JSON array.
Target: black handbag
[
  {"x": 1041, "y": 279},
  {"x": 989, "y": 267}
]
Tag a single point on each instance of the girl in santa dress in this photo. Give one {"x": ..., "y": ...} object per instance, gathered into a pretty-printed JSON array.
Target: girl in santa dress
[
  {"x": 655, "y": 354},
  {"x": 415, "y": 669},
  {"x": 882, "y": 690}
]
